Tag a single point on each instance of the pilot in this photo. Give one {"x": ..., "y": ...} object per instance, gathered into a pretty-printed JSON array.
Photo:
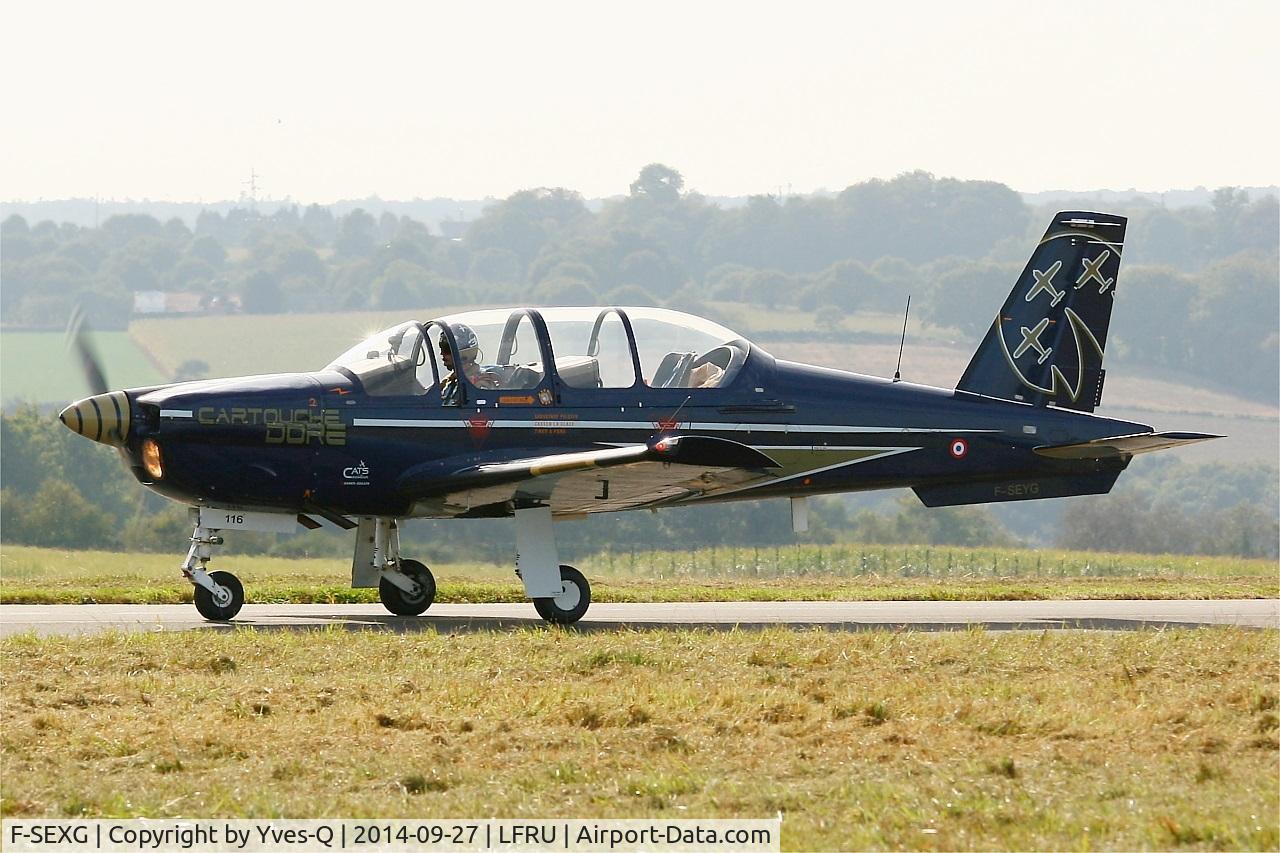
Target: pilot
[{"x": 468, "y": 349}]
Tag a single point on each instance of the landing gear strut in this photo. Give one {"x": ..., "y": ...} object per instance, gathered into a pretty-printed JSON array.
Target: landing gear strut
[{"x": 220, "y": 595}]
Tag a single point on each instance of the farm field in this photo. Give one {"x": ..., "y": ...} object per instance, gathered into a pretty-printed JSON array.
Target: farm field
[
  {"x": 31, "y": 575},
  {"x": 968, "y": 740},
  {"x": 37, "y": 366},
  {"x": 243, "y": 344}
]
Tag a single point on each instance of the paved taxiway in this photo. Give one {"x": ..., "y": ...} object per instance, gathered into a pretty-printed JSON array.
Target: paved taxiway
[{"x": 831, "y": 615}]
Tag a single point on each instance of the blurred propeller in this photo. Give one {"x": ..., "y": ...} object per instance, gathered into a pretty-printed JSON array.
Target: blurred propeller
[
  {"x": 78, "y": 339},
  {"x": 105, "y": 415}
]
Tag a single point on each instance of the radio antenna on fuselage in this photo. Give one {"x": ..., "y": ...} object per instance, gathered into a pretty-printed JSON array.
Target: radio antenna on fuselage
[{"x": 897, "y": 373}]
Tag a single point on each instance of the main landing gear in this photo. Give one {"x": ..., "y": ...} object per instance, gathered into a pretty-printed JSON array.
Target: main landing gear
[
  {"x": 405, "y": 587},
  {"x": 572, "y": 602},
  {"x": 560, "y": 594}
]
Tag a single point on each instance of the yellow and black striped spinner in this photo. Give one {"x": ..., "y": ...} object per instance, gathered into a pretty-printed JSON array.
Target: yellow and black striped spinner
[{"x": 102, "y": 417}]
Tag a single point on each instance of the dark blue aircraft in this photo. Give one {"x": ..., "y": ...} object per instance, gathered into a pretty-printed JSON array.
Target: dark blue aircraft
[{"x": 551, "y": 414}]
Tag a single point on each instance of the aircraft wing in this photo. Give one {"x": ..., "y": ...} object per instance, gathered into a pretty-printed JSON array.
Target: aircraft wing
[
  {"x": 1123, "y": 445},
  {"x": 601, "y": 479}
]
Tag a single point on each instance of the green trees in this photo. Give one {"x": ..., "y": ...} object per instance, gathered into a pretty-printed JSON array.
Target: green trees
[
  {"x": 918, "y": 217},
  {"x": 59, "y": 489},
  {"x": 526, "y": 221},
  {"x": 402, "y": 285},
  {"x": 1199, "y": 285},
  {"x": 914, "y": 523},
  {"x": 965, "y": 295},
  {"x": 1170, "y": 506},
  {"x": 1158, "y": 330},
  {"x": 261, "y": 294},
  {"x": 1235, "y": 325},
  {"x": 357, "y": 235}
]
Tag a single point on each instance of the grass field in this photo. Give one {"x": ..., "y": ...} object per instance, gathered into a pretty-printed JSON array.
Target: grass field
[
  {"x": 38, "y": 367},
  {"x": 839, "y": 572},
  {"x": 244, "y": 344},
  {"x": 971, "y": 740}
]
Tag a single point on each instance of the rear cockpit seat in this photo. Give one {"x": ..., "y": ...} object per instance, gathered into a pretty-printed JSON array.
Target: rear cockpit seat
[{"x": 579, "y": 371}]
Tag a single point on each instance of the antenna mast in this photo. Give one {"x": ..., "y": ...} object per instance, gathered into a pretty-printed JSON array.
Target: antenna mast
[
  {"x": 897, "y": 373},
  {"x": 252, "y": 184}
]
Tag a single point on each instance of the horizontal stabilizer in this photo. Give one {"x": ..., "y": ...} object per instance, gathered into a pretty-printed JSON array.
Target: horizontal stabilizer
[{"x": 1123, "y": 445}]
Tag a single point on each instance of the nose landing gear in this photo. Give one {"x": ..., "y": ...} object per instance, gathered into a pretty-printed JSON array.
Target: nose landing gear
[{"x": 219, "y": 595}]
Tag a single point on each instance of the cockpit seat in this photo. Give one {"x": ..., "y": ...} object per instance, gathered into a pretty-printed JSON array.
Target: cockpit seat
[
  {"x": 672, "y": 369},
  {"x": 711, "y": 370},
  {"x": 579, "y": 371}
]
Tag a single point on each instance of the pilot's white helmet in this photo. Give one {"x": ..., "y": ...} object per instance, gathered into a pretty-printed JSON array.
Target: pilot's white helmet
[{"x": 468, "y": 344}]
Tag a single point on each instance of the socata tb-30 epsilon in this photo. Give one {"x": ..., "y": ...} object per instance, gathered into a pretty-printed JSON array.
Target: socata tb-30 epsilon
[{"x": 562, "y": 412}]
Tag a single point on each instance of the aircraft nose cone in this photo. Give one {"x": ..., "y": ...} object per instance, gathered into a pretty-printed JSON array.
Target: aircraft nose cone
[{"x": 102, "y": 417}]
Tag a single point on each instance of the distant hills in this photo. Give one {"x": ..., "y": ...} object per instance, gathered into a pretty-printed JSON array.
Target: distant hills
[{"x": 89, "y": 212}]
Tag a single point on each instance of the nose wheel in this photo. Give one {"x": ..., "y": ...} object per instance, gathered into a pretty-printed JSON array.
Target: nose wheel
[{"x": 224, "y": 601}]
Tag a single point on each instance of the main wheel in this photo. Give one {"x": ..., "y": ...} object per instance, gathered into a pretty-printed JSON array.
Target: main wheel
[
  {"x": 402, "y": 603},
  {"x": 572, "y": 602},
  {"x": 210, "y": 608}
]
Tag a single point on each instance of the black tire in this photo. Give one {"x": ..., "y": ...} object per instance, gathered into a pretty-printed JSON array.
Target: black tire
[
  {"x": 572, "y": 604},
  {"x": 209, "y": 609},
  {"x": 400, "y": 602}
]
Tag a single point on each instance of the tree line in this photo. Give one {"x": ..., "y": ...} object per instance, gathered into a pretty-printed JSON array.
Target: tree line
[{"x": 1200, "y": 282}]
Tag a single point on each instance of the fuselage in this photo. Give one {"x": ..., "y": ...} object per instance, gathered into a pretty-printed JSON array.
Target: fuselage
[{"x": 296, "y": 442}]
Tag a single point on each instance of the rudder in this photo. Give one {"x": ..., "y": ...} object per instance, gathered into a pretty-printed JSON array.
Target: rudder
[{"x": 1046, "y": 344}]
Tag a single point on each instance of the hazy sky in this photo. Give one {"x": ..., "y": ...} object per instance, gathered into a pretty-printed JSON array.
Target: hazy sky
[{"x": 179, "y": 100}]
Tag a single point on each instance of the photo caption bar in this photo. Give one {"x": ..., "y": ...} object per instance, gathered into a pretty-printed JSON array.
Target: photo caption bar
[{"x": 388, "y": 836}]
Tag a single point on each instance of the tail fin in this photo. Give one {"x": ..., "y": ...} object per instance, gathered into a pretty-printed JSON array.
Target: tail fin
[{"x": 1046, "y": 344}]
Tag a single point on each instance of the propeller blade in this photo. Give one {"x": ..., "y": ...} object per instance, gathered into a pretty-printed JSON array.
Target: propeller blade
[{"x": 79, "y": 339}]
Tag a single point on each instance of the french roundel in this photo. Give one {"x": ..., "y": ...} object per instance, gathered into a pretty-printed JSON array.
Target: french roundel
[{"x": 959, "y": 447}]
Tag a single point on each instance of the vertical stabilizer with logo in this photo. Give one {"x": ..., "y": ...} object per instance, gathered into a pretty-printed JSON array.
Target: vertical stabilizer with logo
[{"x": 1046, "y": 343}]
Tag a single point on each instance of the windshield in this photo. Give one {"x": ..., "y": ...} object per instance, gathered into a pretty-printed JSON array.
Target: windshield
[
  {"x": 591, "y": 346},
  {"x": 393, "y": 361}
]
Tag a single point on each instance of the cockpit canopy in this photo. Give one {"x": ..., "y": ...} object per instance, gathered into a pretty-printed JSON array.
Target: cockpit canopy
[{"x": 517, "y": 349}]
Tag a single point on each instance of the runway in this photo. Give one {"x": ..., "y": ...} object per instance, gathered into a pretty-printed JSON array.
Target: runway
[{"x": 73, "y": 619}]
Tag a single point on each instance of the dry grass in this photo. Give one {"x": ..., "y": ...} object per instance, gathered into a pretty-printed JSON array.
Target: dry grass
[
  {"x": 48, "y": 576},
  {"x": 936, "y": 741}
]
